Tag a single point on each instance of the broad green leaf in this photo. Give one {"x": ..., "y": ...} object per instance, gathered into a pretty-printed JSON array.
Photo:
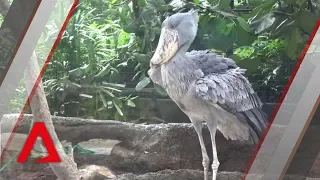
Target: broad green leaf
[
  {"x": 283, "y": 28},
  {"x": 114, "y": 1},
  {"x": 196, "y": 1},
  {"x": 224, "y": 4},
  {"x": 295, "y": 2},
  {"x": 113, "y": 84},
  {"x": 250, "y": 64},
  {"x": 112, "y": 89},
  {"x": 131, "y": 103},
  {"x": 143, "y": 83},
  {"x": 215, "y": 37},
  {"x": 137, "y": 74},
  {"x": 103, "y": 99},
  {"x": 118, "y": 108},
  {"x": 164, "y": 8},
  {"x": 104, "y": 71},
  {"x": 243, "y": 23},
  {"x": 244, "y": 38},
  {"x": 295, "y": 42},
  {"x": 142, "y": 58},
  {"x": 228, "y": 29},
  {"x": 213, "y": 1},
  {"x": 142, "y": 3},
  {"x": 306, "y": 20},
  {"x": 78, "y": 72},
  {"x": 263, "y": 24},
  {"x": 222, "y": 12},
  {"x": 86, "y": 96},
  {"x": 220, "y": 24},
  {"x": 108, "y": 92},
  {"x": 235, "y": 57},
  {"x": 261, "y": 10},
  {"x": 92, "y": 53}
]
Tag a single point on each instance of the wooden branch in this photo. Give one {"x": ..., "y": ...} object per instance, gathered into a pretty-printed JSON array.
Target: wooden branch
[
  {"x": 67, "y": 169},
  {"x": 76, "y": 130}
]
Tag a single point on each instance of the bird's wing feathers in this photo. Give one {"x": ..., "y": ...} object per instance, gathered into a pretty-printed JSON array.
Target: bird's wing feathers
[
  {"x": 224, "y": 84},
  {"x": 230, "y": 88},
  {"x": 211, "y": 62}
]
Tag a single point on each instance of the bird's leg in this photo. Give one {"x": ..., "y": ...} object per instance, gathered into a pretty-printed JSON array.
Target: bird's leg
[
  {"x": 205, "y": 159},
  {"x": 212, "y": 126}
]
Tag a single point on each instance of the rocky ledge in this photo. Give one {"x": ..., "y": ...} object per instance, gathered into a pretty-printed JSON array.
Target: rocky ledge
[{"x": 127, "y": 151}]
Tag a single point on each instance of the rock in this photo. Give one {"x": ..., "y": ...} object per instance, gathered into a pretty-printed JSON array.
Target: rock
[
  {"x": 94, "y": 172},
  {"x": 31, "y": 176},
  {"x": 28, "y": 171},
  {"x": 168, "y": 110},
  {"x": 158, "y": 147},
  {"x": 44, "y": 172},
  {"x": 182, "y": 174},
  {"x": 100, "y": 146},
  {"x": 185, "y": 174}
]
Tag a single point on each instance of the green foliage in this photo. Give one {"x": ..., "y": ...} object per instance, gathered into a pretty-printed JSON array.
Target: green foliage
[
  {"x": 222, "y": 28},
  {"x": 107, "y": 47},
  {"x": 80, "y": 80},
  {"x": 268, "y": 66}
]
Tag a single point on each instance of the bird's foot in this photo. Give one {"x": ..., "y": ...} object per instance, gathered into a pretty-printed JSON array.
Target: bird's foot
[
  {"x": 206, "y": 175},
  {"x": 214, "y": 176},
  {"x": 215, "y": 166}
]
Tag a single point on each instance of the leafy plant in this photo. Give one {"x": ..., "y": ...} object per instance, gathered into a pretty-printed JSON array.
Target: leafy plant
[
  {"x": 101, "y": 63},
  {"x": 81, "y": 73}
]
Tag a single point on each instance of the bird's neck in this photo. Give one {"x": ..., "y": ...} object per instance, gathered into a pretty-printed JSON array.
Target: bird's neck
[
  {"x": 177, "y": 75},
  {"x": 183, "y": 49}
]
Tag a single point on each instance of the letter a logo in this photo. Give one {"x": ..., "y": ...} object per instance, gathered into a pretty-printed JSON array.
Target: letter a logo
[{"x": 39, "y": 129}]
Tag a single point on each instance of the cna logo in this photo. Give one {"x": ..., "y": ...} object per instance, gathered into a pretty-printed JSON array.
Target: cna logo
[{"x": 39, "y": 130}]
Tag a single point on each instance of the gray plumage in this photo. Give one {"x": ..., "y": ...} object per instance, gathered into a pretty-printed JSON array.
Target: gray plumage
[{"x": 207, "y": 87}]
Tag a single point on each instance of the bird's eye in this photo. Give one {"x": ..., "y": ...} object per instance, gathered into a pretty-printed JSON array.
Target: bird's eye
[{"x": 172, "y": 26}]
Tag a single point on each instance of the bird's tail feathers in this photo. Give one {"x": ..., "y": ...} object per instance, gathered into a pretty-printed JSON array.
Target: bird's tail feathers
[{"x": 257, "y": 121}]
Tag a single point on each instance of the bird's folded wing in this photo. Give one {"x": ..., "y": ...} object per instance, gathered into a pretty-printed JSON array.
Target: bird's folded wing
[{"x": 230, "y": 90}]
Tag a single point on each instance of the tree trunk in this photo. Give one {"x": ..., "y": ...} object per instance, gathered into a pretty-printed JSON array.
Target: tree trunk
[{"x": 67, "y": 169}]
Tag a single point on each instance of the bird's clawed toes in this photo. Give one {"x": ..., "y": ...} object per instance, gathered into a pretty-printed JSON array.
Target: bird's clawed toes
[{"x": 215, "y": 166}]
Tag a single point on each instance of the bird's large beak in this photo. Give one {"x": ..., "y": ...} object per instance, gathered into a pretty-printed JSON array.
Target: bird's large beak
[{"x": 167, "y": 47}]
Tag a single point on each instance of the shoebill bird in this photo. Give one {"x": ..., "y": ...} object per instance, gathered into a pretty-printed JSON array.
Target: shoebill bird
[{"x": 207, "y": 87}]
